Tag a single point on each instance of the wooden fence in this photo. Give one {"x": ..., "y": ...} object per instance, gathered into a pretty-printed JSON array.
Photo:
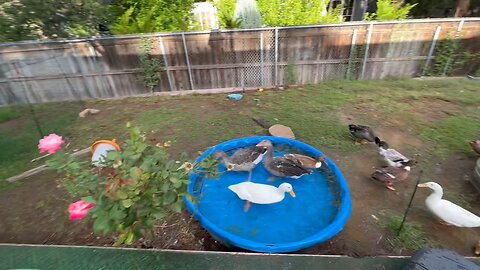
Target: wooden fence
[{"x": 38, "y": 72}]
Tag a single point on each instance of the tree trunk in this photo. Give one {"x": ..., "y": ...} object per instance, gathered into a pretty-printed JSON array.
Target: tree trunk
[{"x": 462, "y": 8}]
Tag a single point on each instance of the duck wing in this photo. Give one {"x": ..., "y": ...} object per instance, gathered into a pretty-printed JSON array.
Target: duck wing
[
  {"x": 288, "y": 168},
  {"x": 384, "y": 175},
  {"x": 248, "y": 155},
  {"x": 393, "y": 155},
  {"x": 456, "y": 215}
]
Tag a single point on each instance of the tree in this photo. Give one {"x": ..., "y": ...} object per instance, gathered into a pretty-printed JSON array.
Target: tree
[
  {"x": 297, "y": 12},
  {"x": 147, "y": 16},
  {"x": 247, "y": 13},
  {"x": 462, "y": 8},
  {"x": 47, "y": 19},
  {"x": 390, "y": 10}
]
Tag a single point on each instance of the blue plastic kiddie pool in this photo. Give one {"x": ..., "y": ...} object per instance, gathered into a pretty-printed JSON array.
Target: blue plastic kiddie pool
[{"x": 319, "y": 211}]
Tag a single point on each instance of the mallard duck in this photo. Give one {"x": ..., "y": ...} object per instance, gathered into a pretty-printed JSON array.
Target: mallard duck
[
  {"x": 244, "y": 159},
  {"x": 390, "y": 175},
  {"x": 475, "y": 146},
  {"x": 306, "y": 161},
  {"x": 448, "y": 212},
  {"x": 281, "y": 166},
  {"x": 390, "y": 155},
  {"x": 362, "y": 132},
  {"x": 260, "y": 193}
]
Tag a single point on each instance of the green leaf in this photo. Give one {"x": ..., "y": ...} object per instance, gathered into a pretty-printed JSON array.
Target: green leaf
[
  {"x": 121, "y": 195},
  {"x": 169, "y": 198},
  {"x": 127, "y": 203},
  {"x": 177, "y": 206},
  {"x": 165, "y": 174},
  {"x": 101, "y": 225},
  {"x": 146, "y": 176},
  {"x": 129, "y": 238},
  {"x": 141, "y": 148},
  {"x": 88, "y": 199},
  {"x": 159, "y": 214},
  {"x": 113, "y": 155},
  {"x": 165, "y": 187},
  {"x": 136, "y": 173},
  {"x": 173, "y": 180},
  {"x": 177, "y": 184}
]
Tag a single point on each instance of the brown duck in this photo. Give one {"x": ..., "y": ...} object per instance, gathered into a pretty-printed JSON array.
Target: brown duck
[
  {"x": 306, "y": 161},
  {"x": 390, "y": 175},
  {"x": 281, "y": 166}
]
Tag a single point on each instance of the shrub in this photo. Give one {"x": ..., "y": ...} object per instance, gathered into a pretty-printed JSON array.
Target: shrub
[{"x": 134, "y": 188}]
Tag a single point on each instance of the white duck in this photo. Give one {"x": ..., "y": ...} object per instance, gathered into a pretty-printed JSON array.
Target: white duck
[
  {"x": 390, "y": 155},
  {"x": 447, "y": 211},
  {"x": 260, "y": 193}
]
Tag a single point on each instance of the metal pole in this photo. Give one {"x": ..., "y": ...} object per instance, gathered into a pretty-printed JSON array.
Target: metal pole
[
  {"x": 276, "y": 56},
  {"x": 432, "y": 48},
  {"x": 167, "y": 69},
  {"x": 352, "y": 52},
  {"x": 262, "y": 79},
  {"x": 409, "y": 203},
  {"x": 190, "y": 76},
  {"x": 369, "y": 38},
  {"x": 457, "y": 35}
]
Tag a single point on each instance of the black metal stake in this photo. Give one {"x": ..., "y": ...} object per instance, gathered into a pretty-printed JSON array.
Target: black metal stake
[
  {"x": 409, "y": 203},
  {"x": 32, "y": 111}
]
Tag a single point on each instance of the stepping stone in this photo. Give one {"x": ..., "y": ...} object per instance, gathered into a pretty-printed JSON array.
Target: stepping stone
[{"x": 281, "y": 131}]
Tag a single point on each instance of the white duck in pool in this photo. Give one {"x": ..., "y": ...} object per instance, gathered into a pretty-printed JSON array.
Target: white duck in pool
[
  {"x": 260, "y": 193},
  {"x": 447, "y": 211}
]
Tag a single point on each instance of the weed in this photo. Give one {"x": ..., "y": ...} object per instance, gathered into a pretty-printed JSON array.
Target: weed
[{"x": 412, "y": 236}]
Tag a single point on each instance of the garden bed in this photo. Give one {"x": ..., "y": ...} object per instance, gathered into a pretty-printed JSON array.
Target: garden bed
[{"x": 431, "y": 121}]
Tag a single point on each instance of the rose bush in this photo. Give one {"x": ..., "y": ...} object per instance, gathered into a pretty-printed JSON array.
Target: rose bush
[{"x": 132, "y": 190}]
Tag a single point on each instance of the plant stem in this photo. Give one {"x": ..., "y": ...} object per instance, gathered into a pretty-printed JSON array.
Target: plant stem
[{"x": 409, "y": 203}]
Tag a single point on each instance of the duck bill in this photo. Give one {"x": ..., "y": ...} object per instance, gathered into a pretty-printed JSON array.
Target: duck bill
[
  {"x": 422, "y": 185},
  {"x": 292, "y": 194}
]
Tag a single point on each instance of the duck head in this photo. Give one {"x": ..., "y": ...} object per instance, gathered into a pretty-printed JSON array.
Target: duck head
[
  {"x": 286, "y": 187},
  {"x": 433, "y": 186},
  {"x": 265, "y": 143},
  {"x": 381, "y": 144}
]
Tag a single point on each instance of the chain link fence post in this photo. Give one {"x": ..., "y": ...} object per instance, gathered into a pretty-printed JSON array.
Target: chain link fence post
[
  {"x": 352, "y": 53},
  {"x": 190, "y": 76},
  {"x": 171, "y": 82},
  {"x": 431, "y": 50},
  {"x": 367, "y": 45}
]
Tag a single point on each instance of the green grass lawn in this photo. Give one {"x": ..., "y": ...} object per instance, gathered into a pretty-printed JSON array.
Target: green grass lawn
[{"x": 314, "y": 113}]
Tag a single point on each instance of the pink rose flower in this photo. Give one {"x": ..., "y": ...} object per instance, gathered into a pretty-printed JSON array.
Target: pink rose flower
[
  {"x": 79, "y": 210},
  {"x": 50, "y": 144}
]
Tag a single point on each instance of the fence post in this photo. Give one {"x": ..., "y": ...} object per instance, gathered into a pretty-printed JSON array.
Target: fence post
[
  {"x": 276, "y": 56},
  {"x": 262, "y": 80},
  {"x": 84, "y": 78},
  {"x": 190, "y": 77},
  {"x": 432, "y": 48},
  {"x": 352, "y": 52},
  {"x": 457, "y": 35},
  {"x": 167, "y": 68},
  {"x": 369, "y": 38}
]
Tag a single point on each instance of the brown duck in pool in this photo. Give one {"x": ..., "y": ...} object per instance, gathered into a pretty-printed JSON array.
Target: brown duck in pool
[
  {"x": 244, "y": 159},
  {"x": 282, "y": 167}
]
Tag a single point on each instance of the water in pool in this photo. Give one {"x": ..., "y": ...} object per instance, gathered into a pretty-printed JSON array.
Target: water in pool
[{"x": 290, "y": 220}]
